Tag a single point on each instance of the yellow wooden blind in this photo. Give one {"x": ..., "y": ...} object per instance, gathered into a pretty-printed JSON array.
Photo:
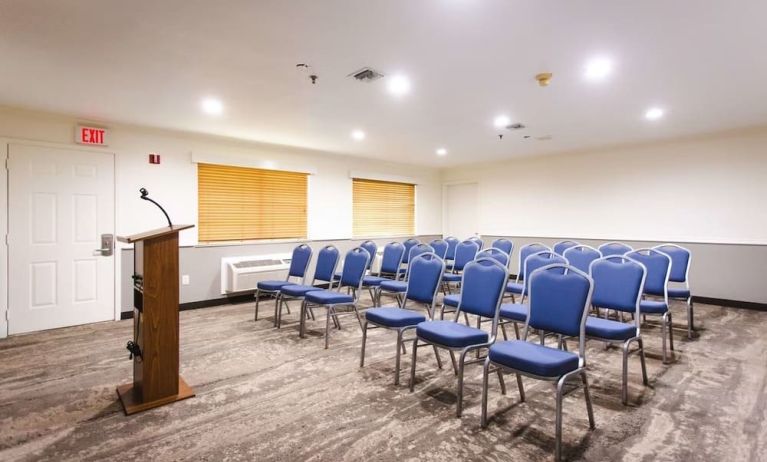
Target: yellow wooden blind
[
  {"x": 237, "y": 203},
  {"x": 383, "y": 208}
]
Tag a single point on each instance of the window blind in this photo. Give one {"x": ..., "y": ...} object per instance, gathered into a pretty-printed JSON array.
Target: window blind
[
  {"x": 238, "y": 203},
  {"x": 383, "y": 208}
]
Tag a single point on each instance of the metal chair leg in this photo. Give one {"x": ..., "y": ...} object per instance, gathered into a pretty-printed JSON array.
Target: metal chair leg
[
  {"x": 587, "y": 394},
  {"x": 670, "y": 332},
  {"x": 663, "y": 327},
  {"x": 277, "y": 307},
  {"x": 412, "y": 364},
  {"x": 258, "y": 298},
  {"x": 452, "y": 359},
  {"x": 503, "y": 331},
  {"x": 516, "y": 330},
  {"x": 690, "y": 321},
  {"x": 501, "y": 381},
  {"x": 485, "y": 373},
  {"x": 364, "y": 340},
  {"x": 327, "y": 327},
  {"x": 302, "y": 322},
  {"x": 397, "y": 360},
  {"x": 459, "y": 400},
  {"x": 624, "y": 389},
  {"x": 436, "y": 354},
  {"x": 558, "y": 421},
  {"x": 640, "y": 342},
  {"x": 521, "y": 388}
]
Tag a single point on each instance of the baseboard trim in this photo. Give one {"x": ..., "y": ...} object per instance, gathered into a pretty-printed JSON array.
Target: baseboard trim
[{"x": 730, "y": 303}]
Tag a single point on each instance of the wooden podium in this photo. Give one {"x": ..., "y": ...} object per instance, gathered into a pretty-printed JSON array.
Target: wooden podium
[{"x": 155, "y": 322}]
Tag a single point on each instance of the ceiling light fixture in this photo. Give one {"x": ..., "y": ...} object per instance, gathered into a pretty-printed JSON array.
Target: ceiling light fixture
[
  {"x": 598, "y": 68},
  {"x": 358, "y": 135},
  {"x": 398, "y": 85},
  {"x": 502, "y": 121},
  {"x": 654, "y": 113},
  {"x": 441, "y": 151},
  {"x": 212, "y": 106}
]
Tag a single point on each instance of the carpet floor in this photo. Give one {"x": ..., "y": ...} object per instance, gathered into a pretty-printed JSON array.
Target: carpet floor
[{"x": 265, "y": 394}]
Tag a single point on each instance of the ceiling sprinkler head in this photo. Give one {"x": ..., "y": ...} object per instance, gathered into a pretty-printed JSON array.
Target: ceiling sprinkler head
[{"x": 313, "y": 78}]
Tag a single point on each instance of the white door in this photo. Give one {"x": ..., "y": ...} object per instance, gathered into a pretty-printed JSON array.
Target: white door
[
  {"x": 60, "y": 202},
  {"x": 461, "y": 213}
]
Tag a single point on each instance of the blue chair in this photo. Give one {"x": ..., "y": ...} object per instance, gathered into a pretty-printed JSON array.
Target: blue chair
[
  {"x": 453, "y": 300},
  {"x": 327, "y": 261},
  {"x": 299, "y": 262},
  {"x": 559, "y": 303},
  {"x": 516, "y": 287},
  {"x": 560, "y": 247},
  {"x": 422, "y": 285},
  {"x": 355, "y": 265},
  {"x": 409, "y": 244},
  {"x": 440, "y": 247},
  {"x": 618, "y": 283},
  {"x": 477, "y": 241},
  {"x": 680, "y": 274},
  {"x": 398, "y": 287},
  {"x": 465, "y": 252},
  {"x": 503, "y": 244},
  {"x": 581, "y": 256},
  {"x": 482, "y": 290},
  {"x": 391, "y": 261},
  {"x": 372, "y": 249},
  {"x": 614, "y": 248},
  {"x": 452, "y": 243},
  {"x": 658, "y": 266},
  {"x": 516, "y": 313}
]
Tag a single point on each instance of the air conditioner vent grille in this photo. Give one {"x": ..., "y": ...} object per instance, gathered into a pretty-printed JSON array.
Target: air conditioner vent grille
[{"x": 366, "y": 74}]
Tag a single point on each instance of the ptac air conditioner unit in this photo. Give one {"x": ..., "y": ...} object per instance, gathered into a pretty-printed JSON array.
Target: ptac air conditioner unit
[{"x": 239, "y": 274}]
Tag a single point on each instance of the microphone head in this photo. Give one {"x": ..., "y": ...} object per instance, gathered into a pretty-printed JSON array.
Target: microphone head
[{"x": 143, "y": 192}]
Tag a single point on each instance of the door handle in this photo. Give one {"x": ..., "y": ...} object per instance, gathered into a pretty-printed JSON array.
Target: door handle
[{"x": 107, "y": 244}]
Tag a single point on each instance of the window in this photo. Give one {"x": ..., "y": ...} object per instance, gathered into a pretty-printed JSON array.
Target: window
[
  {"x": 237, "y": 204},
  {"x": 383, "y": 208}
]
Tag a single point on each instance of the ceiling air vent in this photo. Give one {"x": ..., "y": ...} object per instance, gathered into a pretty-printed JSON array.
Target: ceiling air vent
[
  {"x": 516, "y": 126},
  {"x": 366, "y": 74}
]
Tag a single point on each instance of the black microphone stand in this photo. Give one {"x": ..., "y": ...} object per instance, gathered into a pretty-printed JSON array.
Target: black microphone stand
[{"x": 145, "y": 196}]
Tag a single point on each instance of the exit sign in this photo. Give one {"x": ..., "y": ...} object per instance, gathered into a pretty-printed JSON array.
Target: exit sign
[{"x": 96, "y": 136}]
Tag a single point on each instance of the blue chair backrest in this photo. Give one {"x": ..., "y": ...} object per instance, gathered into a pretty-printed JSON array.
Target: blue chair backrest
[
  {"x": 559, "y": 301},
  {"x": 618, "y": 283},
  {"x": 477, "y": 241},
  {"x": 482, "y": 286},
  {"x": 581, "y": 256},
  {"x": 299, "y": 262},
  {"x": 419, "y": 250},
  {"x": 393, "y": 253},
  {"x": 658, "y": 266},
  {"x": 440, "y": 247},
  {"x": 372, "y": 249},
  {"x": 614, "y": 248},
  {"x": 409, "y": 244},
  {"x": 492, "y": 252},
  {"x": 680, "y": 261},
  {"x": 452, "y": 243},
  {"x": 503, "y": 244},
  {"x": 355, "y": 265},
  {"x": 525, "y": 251},
  {"x": 464, "y": 253},
  {"x": 425, "y": 276},
  {"x": 561, "y": 246},
  {"x": 327, "y": 260},
  {"x": 539, "y": 260}
]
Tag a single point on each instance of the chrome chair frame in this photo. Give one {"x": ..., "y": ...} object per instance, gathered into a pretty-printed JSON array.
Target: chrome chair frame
[
  {"x": 430, "y": 308},
  {"x": 490, "y": 252},
  {"x": 606, "y": 244},
  {"x": 666, "y": 318},
  {"x": 560, "y": 381},
  {"x": 565, "y": 242},
  {"x": 446, "y": 284},
  {"x": 453, "y": 242},
  {"x": 421, "y": 248},
  {"x": 503, "y": 240},
  {"x": 521, "y": 262},
  {"x": 373, "y": 290},
  {"x": 464, "y": 351},
  {"x": 477, "y": 240},
  {"x": 688, "y": 300},
  {"x": 437, "y": 241},
  {"x": 287, "y": 279}
]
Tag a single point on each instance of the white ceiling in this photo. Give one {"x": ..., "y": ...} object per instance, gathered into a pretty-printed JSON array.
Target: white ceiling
[{"x": 151, "y": 62}]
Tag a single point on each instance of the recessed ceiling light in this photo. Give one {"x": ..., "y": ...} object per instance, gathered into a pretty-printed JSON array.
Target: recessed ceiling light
[
  {"x": 502, "y": 121},
  {"x": 398, "y": 85},
  {"x": 654, "y": 113},
  {"x": 598, "y": 68},
  {"x": 441, "y": 151},
  {"x": 212, "y": 106},
  {"x": 358, "y": 135}
]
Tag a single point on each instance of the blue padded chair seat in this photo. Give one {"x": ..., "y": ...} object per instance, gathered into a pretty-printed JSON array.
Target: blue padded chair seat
[
  {"x": 394, "y": 286},
  {"x": 390, "y": 316},
  {"x": 297, "y": 290},
  {"x": 680, "y": 292},
  {"x": 514, "y": 311},
  {"x": 612, "y": 330},
  {"x": 373, "y": 280},
  {"x": 450, "y": 333},
  {"x": 515, "y": 287},
  {"x": 451, "y": 277},
  {"x": 273, "y": 285},
  {"x": 653, "y": 306},
  {"x": 328, "y": 297},
  {"x": 452, "y": 300},
  {"x": 533, "y": 358}
]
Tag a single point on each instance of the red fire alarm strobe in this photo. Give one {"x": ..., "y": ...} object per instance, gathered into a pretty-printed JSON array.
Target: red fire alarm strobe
[{"x": 154, "y": 158}]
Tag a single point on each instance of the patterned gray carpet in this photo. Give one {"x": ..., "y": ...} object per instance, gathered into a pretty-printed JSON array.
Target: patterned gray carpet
[{"x": 264, "y": 394}]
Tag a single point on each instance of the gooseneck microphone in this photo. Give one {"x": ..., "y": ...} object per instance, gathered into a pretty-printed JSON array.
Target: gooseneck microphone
[{"x": 145, "y": 196}]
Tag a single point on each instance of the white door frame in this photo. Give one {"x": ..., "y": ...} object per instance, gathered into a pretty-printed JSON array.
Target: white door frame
[
  {"x": 4, "y": 275},
  {"x": 445, "y": 186}
]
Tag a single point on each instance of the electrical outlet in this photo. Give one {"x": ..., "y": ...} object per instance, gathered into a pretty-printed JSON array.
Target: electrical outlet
[{"x": 185, "y": 279}]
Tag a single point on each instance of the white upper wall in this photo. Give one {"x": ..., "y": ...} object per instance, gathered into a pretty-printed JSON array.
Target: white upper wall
[
  {"x": 173, "y": 183},
  {"x": 706, "y": 189}
]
